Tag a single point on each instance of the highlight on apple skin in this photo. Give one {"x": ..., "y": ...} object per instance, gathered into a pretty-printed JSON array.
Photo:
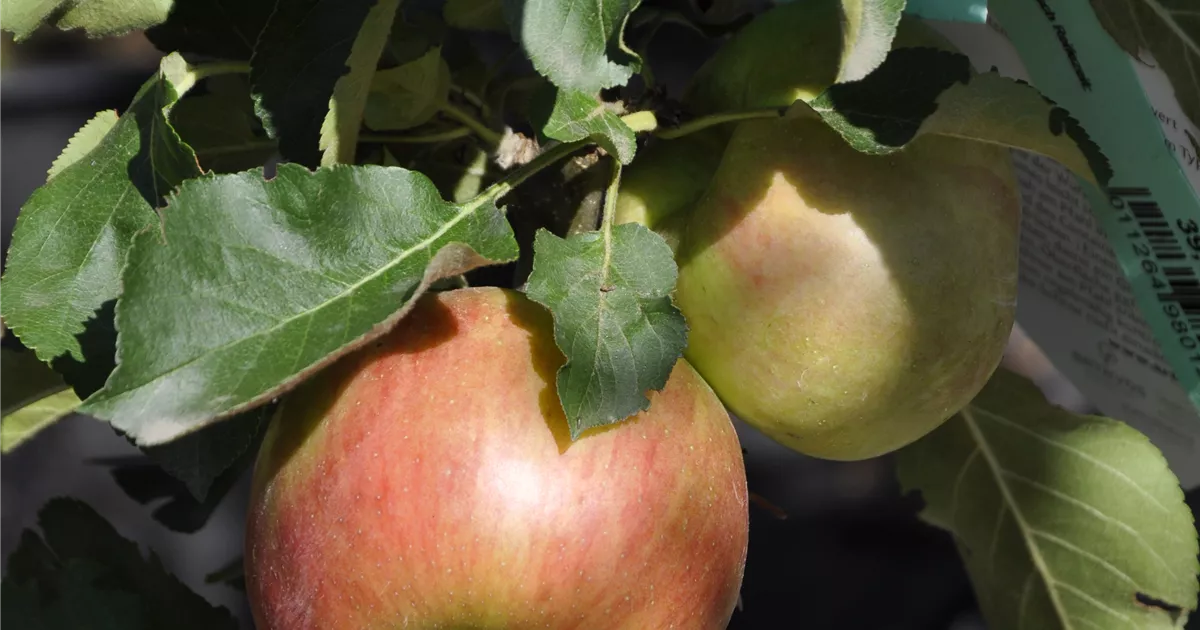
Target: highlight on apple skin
[
  {"x": 428, "y": 481},
  {"x": 847, "y": 304}
]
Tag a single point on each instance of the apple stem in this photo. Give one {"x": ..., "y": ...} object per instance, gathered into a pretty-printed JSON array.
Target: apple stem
[{"x": 704, "y": 122}]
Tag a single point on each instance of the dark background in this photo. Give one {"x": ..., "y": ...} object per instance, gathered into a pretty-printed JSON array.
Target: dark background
[{"x": 849, "y": 554}]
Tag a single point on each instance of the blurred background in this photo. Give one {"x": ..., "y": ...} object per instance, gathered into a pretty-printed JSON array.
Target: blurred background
[{"x": 832, "y": 543}]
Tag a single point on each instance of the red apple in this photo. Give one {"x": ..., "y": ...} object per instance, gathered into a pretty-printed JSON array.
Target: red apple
[{"x": 429, "y": 482}]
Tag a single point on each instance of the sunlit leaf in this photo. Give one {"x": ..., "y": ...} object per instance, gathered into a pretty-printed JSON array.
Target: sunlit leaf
[
  {"x": 609, "y": 293},
  {"x": 1064, "y": 521},
  {"x": 576, "y": 45},
  {"x": 72, "y": 236},
  {"x": 251, "y": 285}
]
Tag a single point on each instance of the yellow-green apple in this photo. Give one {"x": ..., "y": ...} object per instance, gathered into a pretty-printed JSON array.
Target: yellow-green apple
[
  {"x": 844, "y": 304},
  {"x": 428, "y": 481},
  {"x": 847, "y": 304},
  {"x": 791, "y": 52}
]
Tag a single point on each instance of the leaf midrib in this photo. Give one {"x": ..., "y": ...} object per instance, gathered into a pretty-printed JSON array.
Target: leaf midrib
[
  {"x": 466, "y": 211},
  {"x": 1164, "y": 15},
  {"x": 1026, "y": 531}
]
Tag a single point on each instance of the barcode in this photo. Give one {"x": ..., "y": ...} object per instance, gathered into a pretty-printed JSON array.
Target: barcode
[
  {"x": 1182, "y": 283},
  {"x": 1154, "y": 225},
  {"x": 1185, "y": 291}
]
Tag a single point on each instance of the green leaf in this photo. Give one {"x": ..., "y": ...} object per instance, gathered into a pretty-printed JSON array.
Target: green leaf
[
  {"x": 995, "y": 109},
  {"x": 297, "y": 61},
  {"x": 883, "y": 111},
  {"x": 225, "y": 29},
  {"x": 80, "y": 600},
  {"x": 575, "y": 45},
  {"x": 408, "y": 95},
  {"x": 251, "y": 285},
  {"x": 475, "y": 15},
  {"x": 80, "y": 573},
  {"x": 191, "y": 476},
  {"x": 98, "y": 342},
  {"x": 72, "y": 235},
  {"x": 413, "y": 34},
  {"x": 98, "y": 17},
  {"x": 221, "y": 126},
  {"x": 460, "y": 169},
  {"x": 921, "y": 91},
  {"x": 34, "y": 397},
  {"x": 609, "y": 293},
  {"x": 868, "y": 27},
  {"x": 339, "y": 132},
  {"x": 84, "y": 141},
  {"x": 1064, "y": 521},
  {"x": 198, "y": 458},
  {"x": 22, "y": 424},
  {"x": 576, "y": 116},
  {"x": 1167, "y": 29}
]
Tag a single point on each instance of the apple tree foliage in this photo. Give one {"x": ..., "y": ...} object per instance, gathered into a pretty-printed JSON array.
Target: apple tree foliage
[{"x": 297, "y": 173}]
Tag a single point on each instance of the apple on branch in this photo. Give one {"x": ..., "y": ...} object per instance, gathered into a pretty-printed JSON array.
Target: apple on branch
[{"x": 430, "y": 482}]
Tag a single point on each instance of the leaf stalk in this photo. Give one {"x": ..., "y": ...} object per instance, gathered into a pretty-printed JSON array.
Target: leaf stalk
[
  {"x": 704, "y": 122},
  {"x": 489, "y": 135}
]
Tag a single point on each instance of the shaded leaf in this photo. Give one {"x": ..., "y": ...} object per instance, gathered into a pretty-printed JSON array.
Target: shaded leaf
[
  {"x": 475, "y": 15},
  {"x": 575, "y": 116},
  {"x": 252, "y": 285},
  {"x": 413, "y": 34},
  {"x": 34, "y": 397},
  {"x": 996, "y": 109},
  {"x": 297, "y": 61},
  {"x": 609, "y": 293},
  {"x": 1064, "y": 521},
  {"x": 339, "y": 132},
  {"x": 198, "y": 458},
  {"x": 221, "y": 126},
  {"x": 97, "y": 17},
  {"x": 783, "y": 55},
  {"x": 98, "y": 343},
  {"x": 225, "y": 29},
  {"x": 72, "y": 235},
  {"x": 1167, "y": 29},
  {"x": 576, "y": 45},
  {"x": 868, "y": 27},
  {"x": 880, "y": 115},
  {"x": 220, "y": 454},
  {"x": 883, "y": 111},
  {"x": 460, "y": 169},
  {"x": 80, "y": 573},
  {"x": 408, "y": 95},
  {"x": 78, "y": 599}
]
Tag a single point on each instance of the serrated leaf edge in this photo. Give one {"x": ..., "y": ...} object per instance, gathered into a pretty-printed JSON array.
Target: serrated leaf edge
[{"x": 451, "y": 259}]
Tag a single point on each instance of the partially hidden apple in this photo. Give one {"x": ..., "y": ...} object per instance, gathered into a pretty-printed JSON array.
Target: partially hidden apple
[
  {"x": 842, "y": 303},
  {"x": 428, "y": 481}
]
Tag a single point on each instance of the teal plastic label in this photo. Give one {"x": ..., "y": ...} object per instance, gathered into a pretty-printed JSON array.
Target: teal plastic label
[
  {"x": 1151, "y": 213},
  {"x": 969, "y": 11}
]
